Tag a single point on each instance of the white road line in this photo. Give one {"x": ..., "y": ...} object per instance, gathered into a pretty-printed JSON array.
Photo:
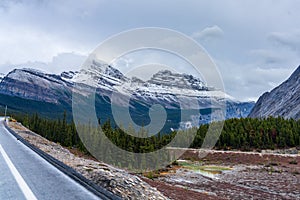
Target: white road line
[{"x": 22, "y": 184}]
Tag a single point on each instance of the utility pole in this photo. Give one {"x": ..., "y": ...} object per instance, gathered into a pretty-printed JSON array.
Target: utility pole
[{"x": 5, "y": 113}]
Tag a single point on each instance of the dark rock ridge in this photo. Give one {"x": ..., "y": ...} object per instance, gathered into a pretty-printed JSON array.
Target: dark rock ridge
[{"x": 283, "y": 100}]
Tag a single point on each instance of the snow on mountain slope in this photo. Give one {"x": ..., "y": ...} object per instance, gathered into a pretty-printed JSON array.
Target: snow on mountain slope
[
  {"x": 161, "y": 84},
  {"x": 35, "y": 85},
  {"x": 171, "y": 90},
  {"x": 166, "y": 82},
  {"x": 184, "y": 81},
  {"x": 100, "y": 74}
]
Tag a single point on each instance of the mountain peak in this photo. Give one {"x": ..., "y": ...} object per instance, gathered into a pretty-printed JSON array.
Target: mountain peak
[{"x": 172, "y": 79}]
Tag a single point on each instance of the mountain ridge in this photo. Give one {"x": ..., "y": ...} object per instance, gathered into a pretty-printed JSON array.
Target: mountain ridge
[
  {"x": 283, "y": 100},
  {"x": 57, "y": 90}
]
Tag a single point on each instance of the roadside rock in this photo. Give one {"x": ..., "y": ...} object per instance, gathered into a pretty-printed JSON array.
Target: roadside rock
[{"x": 119, "y": 182}]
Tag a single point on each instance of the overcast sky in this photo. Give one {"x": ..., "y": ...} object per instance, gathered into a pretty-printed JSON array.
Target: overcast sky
[{"x": 255, "y": 44}]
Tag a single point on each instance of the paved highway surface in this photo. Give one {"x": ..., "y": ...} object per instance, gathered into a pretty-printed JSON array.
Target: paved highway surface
[{"x": 25, "y": 175}]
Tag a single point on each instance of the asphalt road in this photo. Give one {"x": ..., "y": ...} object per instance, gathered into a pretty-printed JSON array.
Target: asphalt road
[{"x": 25, "y": 175}]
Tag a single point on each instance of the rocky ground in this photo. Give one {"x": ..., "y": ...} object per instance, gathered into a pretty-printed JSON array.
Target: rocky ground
[
  {"x": 251, "y": 176},
  {"x": 248, "y": 175}
]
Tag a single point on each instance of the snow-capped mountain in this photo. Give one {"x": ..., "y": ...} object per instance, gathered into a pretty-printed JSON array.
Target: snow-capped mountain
[
  {"x": 35, "y": 85},
  {"x": 166, "y": 82},
  {"x": 163, "y": 85},
  {"x": 173, "y": 91},
  {"x": 283, "y": 100},
  {"x": 182, "y": 81},
  {"x": 100, "y": 75},
  {"x": 165, "y": 88}
]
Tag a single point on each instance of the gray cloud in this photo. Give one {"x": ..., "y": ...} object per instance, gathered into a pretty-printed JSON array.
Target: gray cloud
[
  {"x": 270, "y": 56},
  {"x": 248, "y": 82},
  {"x": 290, "y": 40}
]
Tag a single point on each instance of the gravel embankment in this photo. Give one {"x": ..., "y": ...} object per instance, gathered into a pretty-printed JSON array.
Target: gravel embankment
[{"x": 117, "y": 181}]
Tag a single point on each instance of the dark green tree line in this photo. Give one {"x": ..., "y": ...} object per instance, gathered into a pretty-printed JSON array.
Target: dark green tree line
[{"x": 242, "y": 134}]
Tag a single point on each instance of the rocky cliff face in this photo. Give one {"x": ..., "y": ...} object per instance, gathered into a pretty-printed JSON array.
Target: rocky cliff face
[
  {"x": 183, "y": 81},
  {"x": 283, "y": 100},
  {"x": 36, "y": 85}
]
